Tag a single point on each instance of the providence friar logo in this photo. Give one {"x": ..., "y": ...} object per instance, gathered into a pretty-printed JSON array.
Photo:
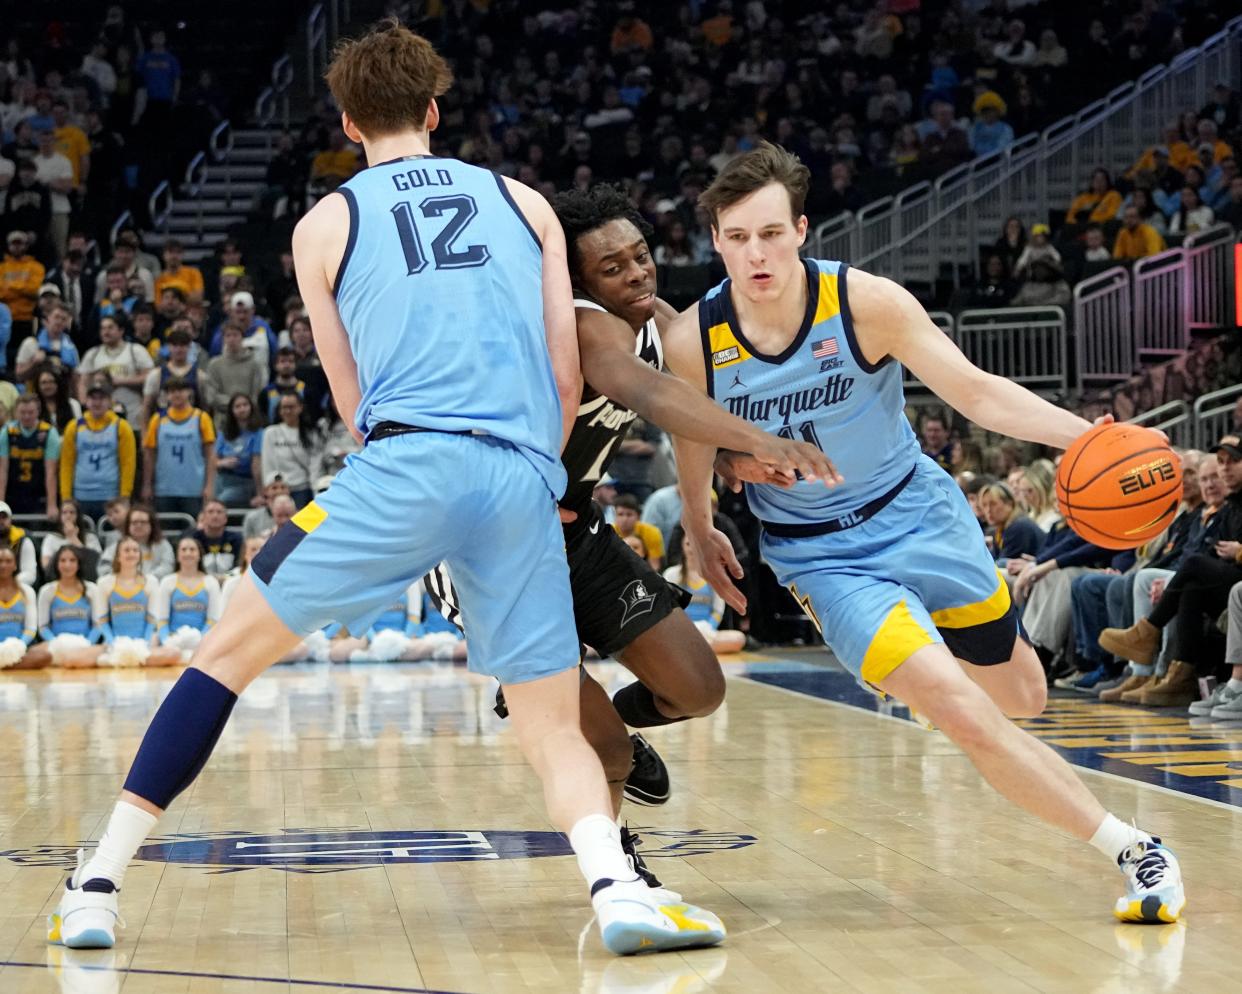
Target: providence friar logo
[{"x": 332, "y": 851}]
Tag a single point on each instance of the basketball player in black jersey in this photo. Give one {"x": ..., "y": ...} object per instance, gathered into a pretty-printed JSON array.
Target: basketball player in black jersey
[{"x": 623, "y": 607}]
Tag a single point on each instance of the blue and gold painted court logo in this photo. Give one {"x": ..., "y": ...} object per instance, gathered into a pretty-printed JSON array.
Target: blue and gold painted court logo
[{"x": 319, "y": 851}]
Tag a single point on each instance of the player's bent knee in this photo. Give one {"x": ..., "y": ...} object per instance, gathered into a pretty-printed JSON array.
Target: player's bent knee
[{"x": 1028, "y": 698}]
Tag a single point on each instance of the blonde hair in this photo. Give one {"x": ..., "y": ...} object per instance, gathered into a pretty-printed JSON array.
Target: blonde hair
[{"x": 1041, "y": 475}]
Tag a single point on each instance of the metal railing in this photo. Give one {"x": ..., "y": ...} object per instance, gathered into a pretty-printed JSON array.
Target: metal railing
[
  {"x": 1174, "y": 419},
  {"x": 1103, "y": 326},
  {"x": 970, "y": 202},
  {"x": 219, "y": 145},
  {"x": 273, "y": 103},
  {"x": 1209, "y": 276},
  {"x": 124, "y": 220},
  {"x": 1023, "y": 344},
  {"x": 1161, "y": 315},
  {"x": 316, "y": 46},
  {"x": 1214, "y": 415},
  {"x": 159, "y": 217}
]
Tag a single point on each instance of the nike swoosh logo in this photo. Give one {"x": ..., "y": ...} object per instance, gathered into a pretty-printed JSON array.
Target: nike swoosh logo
[{"x": 594, "y": 529}]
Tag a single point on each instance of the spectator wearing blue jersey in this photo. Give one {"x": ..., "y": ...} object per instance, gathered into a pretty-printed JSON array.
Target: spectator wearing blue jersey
[
  {"x": 398, "y": 634},
  {"x": 284, "y": 381},
  {"x": 989, "y": 133},
  {"x": 179, "y": 467},
  {"x": 239, "y": 454},
  {"x": 97, "y": 454}
]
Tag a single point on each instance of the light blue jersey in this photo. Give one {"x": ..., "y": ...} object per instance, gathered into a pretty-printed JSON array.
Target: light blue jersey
[
  {"x": 128, "y": 615},
  {"x": 891, "y": 560},
  {"x": 179, "y": 464},
  {"x": 97, "y": 468},
  {"x": 441, "y": 292},
  {"x": 187, "y": 607},
  {"x": 821, "y": 389},
  {"x": 69, "y": 614},
  {"x": 14, "y": 616}
]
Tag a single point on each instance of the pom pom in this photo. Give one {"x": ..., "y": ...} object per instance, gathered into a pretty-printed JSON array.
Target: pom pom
[
  {"x": 62, "y": 645},
  {"x": 11, "y": 652},
  {"x": 126, "y": 652}
]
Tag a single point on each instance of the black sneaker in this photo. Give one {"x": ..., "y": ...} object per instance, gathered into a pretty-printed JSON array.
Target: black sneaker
[
  {"x": 629, "y": 845},
  {"x": 647, "y": 783}
]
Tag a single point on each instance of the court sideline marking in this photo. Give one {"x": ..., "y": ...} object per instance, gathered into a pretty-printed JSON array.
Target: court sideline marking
[
  {"x": 203, "y": 975},
  {"x": 803, "y": 695}
]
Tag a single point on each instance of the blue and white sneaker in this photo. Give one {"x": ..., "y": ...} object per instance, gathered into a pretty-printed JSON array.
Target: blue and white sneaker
[
  {"x": 87, "y": 915},
  {"x": 1154, "y": 893},
  {"x": 1084, "y": 683},
  {"x": 633, "y": 918}
]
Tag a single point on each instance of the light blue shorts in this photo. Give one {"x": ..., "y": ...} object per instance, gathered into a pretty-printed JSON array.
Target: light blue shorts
[
  {"x": 914, "y": 574},
  {"x": 407, "y": 502}
]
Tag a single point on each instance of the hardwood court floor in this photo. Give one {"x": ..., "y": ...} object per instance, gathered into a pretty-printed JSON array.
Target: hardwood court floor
[{"x": 373, "y": 828}]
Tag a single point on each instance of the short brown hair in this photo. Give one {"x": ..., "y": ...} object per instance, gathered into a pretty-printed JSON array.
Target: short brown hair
[
  {"x": 753, "y": 170},
  {"x": 386, "y": 80}
]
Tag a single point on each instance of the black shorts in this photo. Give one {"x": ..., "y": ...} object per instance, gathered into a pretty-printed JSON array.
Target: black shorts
[{"x": 617, "y": 595}]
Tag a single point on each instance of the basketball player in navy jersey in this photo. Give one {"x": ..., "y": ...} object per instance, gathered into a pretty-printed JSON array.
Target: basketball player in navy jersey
[
  {"x": 623, "y": 607},
  {"x": 443, "y": 317},
  {"x": 889, "y": 564}
]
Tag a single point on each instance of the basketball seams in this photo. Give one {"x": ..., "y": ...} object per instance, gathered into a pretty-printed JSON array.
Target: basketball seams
[{"x": 1080, "y": 518}]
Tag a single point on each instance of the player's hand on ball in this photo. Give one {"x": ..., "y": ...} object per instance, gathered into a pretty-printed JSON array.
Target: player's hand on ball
[
  {"x": 736, "y": 468},
  {"x": 720, "y": 566}
]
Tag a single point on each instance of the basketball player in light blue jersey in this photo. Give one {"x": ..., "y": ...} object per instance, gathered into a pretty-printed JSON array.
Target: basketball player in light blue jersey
[
  {"x": 443, "y": 317},
  {"x": 888, "y": 562}
]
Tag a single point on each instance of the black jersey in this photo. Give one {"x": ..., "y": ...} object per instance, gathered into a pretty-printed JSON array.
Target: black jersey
[
  {"x": 601, "y": 425},
  {"x": 27, "y": 493}
]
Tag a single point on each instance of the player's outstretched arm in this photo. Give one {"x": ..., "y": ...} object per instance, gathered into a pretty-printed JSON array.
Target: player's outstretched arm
[
  {"x": 889, "y": 321},
  {"x": 694, "y": 471},
  {"x": 679, "y": 403},
  {"x": 318, "y": 247}
]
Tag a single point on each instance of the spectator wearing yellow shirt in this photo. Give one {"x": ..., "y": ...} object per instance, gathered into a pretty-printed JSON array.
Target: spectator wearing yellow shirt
[
  {"x": 1099, "y": 204},
  {"x": 98, "y": 454},
  {"x": 179, "y": 461},
  {"x": 1176, "y": 153},
  {"x": 188, "y": 279},
  {"x": 1136, "y": 239},
  {"x": 625, "y": 521},
  {"x": 337, "y": 163},
  {"x": 72, "y": 143},
  {"x": 21, "y": 275}
]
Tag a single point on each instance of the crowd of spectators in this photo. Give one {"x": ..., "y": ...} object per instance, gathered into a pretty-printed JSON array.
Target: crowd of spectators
[
  {"x": 873, "y": 96},
  {"x": 1139, "y": 627},
  {"x": 1185, "y": 184}
]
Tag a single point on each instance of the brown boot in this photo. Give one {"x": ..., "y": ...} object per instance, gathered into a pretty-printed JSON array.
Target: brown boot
[
  {"x": 1139, "y": 643},
  {"x": 1179, "y": 688},
  {"x": 1135, "y": 696},
  {"x": 1134, "y": 682}
]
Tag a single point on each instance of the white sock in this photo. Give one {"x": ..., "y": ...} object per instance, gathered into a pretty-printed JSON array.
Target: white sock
[
  {"x": 127, "y": 829},
  {"x": 1114, "y": 835},
  {"x": 1235, "y": 684},
  {"x": 596, "y": 840}
]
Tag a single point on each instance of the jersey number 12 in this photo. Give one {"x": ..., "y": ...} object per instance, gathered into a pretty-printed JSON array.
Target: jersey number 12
[{"x": 444, "y": 252}]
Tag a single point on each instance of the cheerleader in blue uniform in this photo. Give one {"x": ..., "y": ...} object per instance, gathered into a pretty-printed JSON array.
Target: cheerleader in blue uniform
[
  {"x": 124, "y": 602},
  {"x": 17, "y": 615},
  {"x": 188, "y": 601},
  {"x": 706, "y": 607},
  {"x": 400, "y": 634},
  {"x": 67, "y": 616}
]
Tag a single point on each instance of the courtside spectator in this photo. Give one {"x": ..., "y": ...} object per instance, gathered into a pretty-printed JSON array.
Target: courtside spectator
[
  {"x": 98, "y": 454},
  {"x": 51, "y": 346},
  {"x": 126, "y": 363},
  {"x": 187, "y": 279},
  {"x": 21, "y": 276},
  {"x": 626, "y": 522},
  {"x": 222, "y": 545},
  {"x": 935, "y": 440},
  {"x": 1099, "y": 203},
  {"x": 1136, "y": 239},
  {"x": 179, "y": 454},
  {"x": 15, "y": 538},
  {"x": 29, "y": 460}
]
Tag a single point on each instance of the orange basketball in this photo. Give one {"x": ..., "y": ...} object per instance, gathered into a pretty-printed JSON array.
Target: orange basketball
[{"x": 1119, "y": 485}]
